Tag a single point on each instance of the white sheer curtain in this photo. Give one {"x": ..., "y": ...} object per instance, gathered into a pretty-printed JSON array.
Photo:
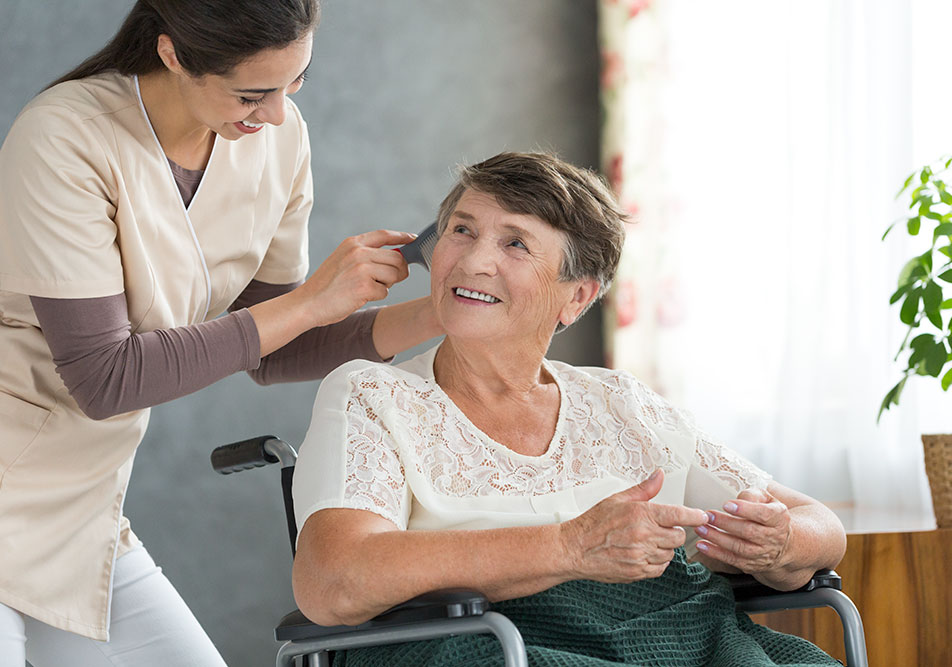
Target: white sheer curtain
[{"x": 788, "y": 128}]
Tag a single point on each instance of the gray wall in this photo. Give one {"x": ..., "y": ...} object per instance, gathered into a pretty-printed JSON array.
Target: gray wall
[{"x": 399, "y": 92}]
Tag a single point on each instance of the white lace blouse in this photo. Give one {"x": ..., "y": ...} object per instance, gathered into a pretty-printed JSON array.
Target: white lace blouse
[{"x": 388, "y": 440}]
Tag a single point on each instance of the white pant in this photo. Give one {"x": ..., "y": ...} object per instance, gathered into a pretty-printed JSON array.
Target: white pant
[{"x": 151, "y": 627}]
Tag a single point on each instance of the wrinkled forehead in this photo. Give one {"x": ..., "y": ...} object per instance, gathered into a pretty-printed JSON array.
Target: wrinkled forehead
[{"x": 476, "y": 205}]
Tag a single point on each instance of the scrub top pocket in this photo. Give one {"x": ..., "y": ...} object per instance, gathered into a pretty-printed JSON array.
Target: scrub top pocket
[{"x": 22, "y": 422}]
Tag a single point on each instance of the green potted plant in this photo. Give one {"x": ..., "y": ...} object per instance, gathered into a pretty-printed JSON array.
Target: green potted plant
[{"x": 926, "y": 295}]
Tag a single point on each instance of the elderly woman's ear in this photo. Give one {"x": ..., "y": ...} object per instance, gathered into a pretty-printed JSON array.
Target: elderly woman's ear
[{"x": 585, "y": 293}]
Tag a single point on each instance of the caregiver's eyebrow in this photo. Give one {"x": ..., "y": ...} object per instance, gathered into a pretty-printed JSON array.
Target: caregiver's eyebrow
[{"x": 264, "y": 91}]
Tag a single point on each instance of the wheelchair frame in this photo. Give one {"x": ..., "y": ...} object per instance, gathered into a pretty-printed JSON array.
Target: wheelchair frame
[{"x": 456, "y": 612}]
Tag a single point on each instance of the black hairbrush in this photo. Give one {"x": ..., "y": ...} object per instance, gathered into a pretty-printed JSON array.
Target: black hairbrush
[{"x": 420, "y": 249}]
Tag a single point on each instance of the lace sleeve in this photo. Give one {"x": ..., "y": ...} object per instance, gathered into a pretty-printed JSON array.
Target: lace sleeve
[
  {"x": 349, "y": 458},
  {"x": 374, "y": 476},
  {"x": 729, "y": 466},
  {"x": 725, "y": 464}
]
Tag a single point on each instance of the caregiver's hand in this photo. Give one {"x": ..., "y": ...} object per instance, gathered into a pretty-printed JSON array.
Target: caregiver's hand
[
  {"x": 625, "y": 538},
  {"x": 358, "y": 271},
  {"x": 751, "y": 534}
]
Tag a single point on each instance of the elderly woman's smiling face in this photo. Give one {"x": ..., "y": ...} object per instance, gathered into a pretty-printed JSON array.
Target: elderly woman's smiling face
[{"x": 495, "y": 275}]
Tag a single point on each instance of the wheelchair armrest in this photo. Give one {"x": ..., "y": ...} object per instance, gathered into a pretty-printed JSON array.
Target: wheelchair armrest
[
  {"x": 442, "y": 604},
  {"x": 746, "y": 587}
]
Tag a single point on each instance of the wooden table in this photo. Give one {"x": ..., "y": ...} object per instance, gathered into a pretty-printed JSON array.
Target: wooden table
[{"x": 901, "y": 582}]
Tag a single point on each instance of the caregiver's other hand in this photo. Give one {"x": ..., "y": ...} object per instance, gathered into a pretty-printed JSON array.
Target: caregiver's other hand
[
  {"x": 625, "y": 538},
  {"x": 752, "y": 534},
  {"x": 359, "y": 270}
]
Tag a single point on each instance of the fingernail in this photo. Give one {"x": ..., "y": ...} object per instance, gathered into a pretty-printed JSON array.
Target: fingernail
[
  {"x": 730, "y": 507},
  {"x": 702, "y": 546},
  {"x": 655, "y": 473},
  {"x": 701, "y": 530},
  {"x": 710, "y": 517}
]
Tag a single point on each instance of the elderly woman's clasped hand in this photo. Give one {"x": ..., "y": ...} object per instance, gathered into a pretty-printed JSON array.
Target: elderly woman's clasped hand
[
  {"x": 751, "y": 534},
  {"x": 625, "y": 537}
]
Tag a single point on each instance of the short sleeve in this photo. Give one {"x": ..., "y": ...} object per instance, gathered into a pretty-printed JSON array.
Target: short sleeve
[
  {"x": 57, "y": 233},
  {"x": 723, "y": 463},
  {"x": 286, "y": 259},
  {"x": 349, "y": 458}
]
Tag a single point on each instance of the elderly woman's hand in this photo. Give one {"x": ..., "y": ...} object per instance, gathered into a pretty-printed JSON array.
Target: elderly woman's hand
[
  {"x": 751, "y": 534},
  {"x": 625, "y": 538}
]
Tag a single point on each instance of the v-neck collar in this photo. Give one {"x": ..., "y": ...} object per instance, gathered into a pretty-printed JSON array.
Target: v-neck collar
[
  {"x": 178, "y": 195},
  {"x": 208, "y": 165}
]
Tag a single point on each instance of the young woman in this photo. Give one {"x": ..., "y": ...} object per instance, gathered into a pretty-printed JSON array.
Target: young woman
[{"x": 163, "y": 181}]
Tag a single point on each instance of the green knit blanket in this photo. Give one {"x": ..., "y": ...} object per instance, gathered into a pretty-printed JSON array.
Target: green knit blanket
[{"x": 685, "y": 618}]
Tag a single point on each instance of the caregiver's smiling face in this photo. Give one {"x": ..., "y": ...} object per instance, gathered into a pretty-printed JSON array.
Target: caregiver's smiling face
[
  {"x": 252, "y": 94},
  {"x": 495, "y": 274}
]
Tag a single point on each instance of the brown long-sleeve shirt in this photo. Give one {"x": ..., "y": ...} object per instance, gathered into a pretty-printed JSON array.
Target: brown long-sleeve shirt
[{"x": 108, "y": 370}]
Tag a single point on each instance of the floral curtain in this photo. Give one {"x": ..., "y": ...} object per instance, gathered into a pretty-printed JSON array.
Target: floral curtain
[
  {"x": 758, "y": 146},
  {"x": 645, "y": 299}
]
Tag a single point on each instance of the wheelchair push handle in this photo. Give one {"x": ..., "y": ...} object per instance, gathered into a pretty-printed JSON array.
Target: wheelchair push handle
[{"x": 252, "y": 453}]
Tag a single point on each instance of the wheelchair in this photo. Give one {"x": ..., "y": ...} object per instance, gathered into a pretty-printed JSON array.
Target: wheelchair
[{"x": 446, "y": 613}]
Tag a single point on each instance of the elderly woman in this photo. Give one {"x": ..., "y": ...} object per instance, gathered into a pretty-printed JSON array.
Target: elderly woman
[{"x": 564, "y": 494}]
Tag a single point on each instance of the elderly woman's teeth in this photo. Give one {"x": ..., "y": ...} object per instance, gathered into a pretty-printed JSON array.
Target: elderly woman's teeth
[{"x": 469, "y": 294}]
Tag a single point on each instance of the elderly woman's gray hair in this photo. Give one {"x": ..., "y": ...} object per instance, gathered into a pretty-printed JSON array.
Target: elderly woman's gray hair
[{"x": 573, "y": 200}]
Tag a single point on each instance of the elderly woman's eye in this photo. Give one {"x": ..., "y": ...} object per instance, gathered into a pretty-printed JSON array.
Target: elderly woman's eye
[{"x": 517, "y": 243}]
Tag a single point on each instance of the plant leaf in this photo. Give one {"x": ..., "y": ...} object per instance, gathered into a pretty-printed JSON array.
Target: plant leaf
[
  {"x": 892, "y": 397},
  {"x": 946, "y": 276},
  {"x": 920, "y": 345},
  {"x": 906, "y": 184},
  {"x": 888, "y": 229},
  {"x": 945, "y": 305},
  {"x": 922, "y": 341},
  {"x": 910, "y": 307},
  {"x": 913, "y": 224},
  {"x": 912, "y": 270},
  {"x": 931, "y": 297},
  {"x": 947, "y": 380},
  {"x": 945, "y": 196},
  {"x": 945, "y": 229},
  {"x": 899, "y": 293},
  {"x": 935, "y": 359},
  {"x": 887, "y": 400}
]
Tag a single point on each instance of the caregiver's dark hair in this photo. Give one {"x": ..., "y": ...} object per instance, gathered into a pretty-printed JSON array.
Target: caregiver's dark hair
[
  {"x": 575, "y": 201},
  {"x": 210, "y": 36}
]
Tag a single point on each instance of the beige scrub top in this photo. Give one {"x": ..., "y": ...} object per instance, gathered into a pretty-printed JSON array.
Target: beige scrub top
[{"x": 89, "y": 208}]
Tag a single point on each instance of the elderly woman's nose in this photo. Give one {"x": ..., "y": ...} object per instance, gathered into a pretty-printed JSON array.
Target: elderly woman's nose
[{"x": 480, "y": 257}]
